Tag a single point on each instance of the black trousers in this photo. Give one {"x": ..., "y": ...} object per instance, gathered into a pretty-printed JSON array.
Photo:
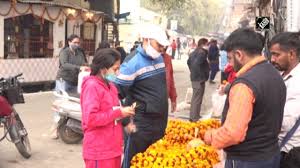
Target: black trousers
[
  {"x": 146, "y": 135},
  {"x": 291, "y": 159},
  {"x": 270, "y": 163}
]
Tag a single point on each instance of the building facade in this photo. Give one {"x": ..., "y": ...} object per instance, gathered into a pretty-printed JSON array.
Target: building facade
[
  {"x": 33, "y": 32},
  {"x": 139, "y": 18}
]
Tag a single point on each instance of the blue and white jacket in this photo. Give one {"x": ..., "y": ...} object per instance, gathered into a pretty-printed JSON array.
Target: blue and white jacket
[{"x": 142, "y": 79}]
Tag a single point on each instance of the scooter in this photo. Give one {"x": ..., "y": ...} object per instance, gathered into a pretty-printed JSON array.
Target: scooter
[
  {"x": 11, "y": 93},
  {"x": 67, "y": 106}
]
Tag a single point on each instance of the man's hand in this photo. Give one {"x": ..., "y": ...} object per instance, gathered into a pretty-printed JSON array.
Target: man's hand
[
  {"x": 221, "y": 89},
  {"x": 85, "y": 68},
  {"x": 207, "y": 137},
  {"x": 130, "y": 128},
  {"x": 173, "y": 106},
  {"x": 127, "y": 111}
]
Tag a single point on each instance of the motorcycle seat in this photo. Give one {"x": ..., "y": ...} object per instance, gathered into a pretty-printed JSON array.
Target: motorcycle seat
[{"x": 72, "y": 94}]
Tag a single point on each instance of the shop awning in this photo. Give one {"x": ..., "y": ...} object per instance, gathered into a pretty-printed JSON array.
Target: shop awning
[
  {"x": 60, "y": 3},
  {"x": 122, "y": 15}
]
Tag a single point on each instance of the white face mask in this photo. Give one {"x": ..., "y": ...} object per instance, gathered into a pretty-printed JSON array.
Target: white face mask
[{"x": 152, "y": 52}]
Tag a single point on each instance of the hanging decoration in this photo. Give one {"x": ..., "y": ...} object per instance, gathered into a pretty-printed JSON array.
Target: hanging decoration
[
  {"x": 61, "y": 22},
  {"x": 7, "y": 13},
  {"x": 53, "y": 18},
  {"x": 21, "y": 13},
  {"x": 69, "y": 13}
]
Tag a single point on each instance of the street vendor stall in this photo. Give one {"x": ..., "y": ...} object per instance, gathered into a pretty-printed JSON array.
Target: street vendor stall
[{"x": 181, "y": 147}]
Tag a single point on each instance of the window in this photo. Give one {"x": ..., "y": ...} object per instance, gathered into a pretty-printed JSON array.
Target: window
[
  {"x": 27, "y": 36},
  {"x": 88, "y": 34}
]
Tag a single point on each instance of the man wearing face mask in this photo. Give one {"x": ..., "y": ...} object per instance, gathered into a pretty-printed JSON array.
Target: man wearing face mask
[
  {"x": 142, "y": 80},
  {"x": 253, "y": 110},
  {"x": 71, "y": 59}
]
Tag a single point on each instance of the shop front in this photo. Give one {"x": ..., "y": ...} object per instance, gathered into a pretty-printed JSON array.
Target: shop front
[{"x": 32, "y": 35}]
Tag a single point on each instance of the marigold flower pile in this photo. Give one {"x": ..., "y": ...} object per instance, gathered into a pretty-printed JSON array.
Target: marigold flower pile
[{"x": 171, "y": 151}]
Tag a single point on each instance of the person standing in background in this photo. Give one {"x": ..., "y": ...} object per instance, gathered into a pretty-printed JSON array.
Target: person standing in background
[
  {"x": 213, "y": 57},
  {"x": 102, "y": 45},
  {"x": 173, "y": 46},
  {"x": 121, "y": 51},
  {"x": 199, "y": 68},
  {"x": 223, "y": 62},
  {"x": 192, "y": 46},
  {"x": 178, "y": 42},
  {"x": 71, "y": 59}
]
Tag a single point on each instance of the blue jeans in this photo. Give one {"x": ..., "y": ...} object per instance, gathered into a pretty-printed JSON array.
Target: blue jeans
[
  {"x": 66, "y": 86},
  {"x": 273, "y": 162}
]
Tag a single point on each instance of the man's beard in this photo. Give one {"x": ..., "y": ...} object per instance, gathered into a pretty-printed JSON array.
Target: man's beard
[
  {"x": 236, "y": 65},
  {"x": 278, "y": 67}
]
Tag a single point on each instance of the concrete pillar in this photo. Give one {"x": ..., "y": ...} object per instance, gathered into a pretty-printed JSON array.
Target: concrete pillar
[
  {"x": 98, "y": 33},
  {"x": 58, "y": 37}
]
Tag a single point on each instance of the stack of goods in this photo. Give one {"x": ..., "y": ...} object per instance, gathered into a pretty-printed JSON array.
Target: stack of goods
[{"x": 180, "y": 147}]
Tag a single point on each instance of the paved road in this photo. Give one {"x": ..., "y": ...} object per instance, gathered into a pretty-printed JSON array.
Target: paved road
[{"x": 47, "y": 153}]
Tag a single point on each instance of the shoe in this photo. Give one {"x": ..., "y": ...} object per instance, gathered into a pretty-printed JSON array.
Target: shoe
[
  {"x": 212, "y": 82},
  {"x": 194, "y": 120}
]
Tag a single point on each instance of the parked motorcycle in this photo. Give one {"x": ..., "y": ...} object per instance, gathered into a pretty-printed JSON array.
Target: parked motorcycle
[
  {"x": 67, "y": 106},
  {"x": 11, "y": 93}
]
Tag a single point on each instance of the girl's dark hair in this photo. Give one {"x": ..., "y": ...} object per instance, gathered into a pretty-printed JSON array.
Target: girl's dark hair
[
  {"x": 104, "y": 58},
  {"x": 72, "y": 37},
  {"x": 104, "y": 44}
]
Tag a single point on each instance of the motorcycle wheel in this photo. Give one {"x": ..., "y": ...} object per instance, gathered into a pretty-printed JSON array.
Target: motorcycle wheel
[
  {"x": 23, "y": 145},
  {"x": 67, "y": 135}
]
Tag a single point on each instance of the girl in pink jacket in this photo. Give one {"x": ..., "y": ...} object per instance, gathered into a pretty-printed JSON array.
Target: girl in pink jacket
[{"x": 101, "y": 112}]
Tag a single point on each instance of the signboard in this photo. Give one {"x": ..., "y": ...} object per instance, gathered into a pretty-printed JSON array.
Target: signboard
[{"x": 174, "y": 25}]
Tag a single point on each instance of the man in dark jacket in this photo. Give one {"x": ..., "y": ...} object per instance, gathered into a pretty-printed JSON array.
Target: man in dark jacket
[
  {"x": 253, "y": 111},
  {"x": 142, "y": 79},
  {"x": 199, "y": 69},
  {"x": 71, "y": 60},
  {"x": 213, "y": 57}
]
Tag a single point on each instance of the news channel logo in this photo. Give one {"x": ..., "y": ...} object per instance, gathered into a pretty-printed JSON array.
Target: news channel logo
[{"x": 262, "y": 23}]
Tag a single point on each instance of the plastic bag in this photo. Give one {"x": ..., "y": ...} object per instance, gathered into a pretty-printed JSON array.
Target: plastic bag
[
  {"x": 83, "y": 73},
  {"x": 218, "y": 102}
]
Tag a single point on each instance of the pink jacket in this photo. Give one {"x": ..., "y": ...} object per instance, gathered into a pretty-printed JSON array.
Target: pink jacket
[{"x": 103, "y": 137}]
